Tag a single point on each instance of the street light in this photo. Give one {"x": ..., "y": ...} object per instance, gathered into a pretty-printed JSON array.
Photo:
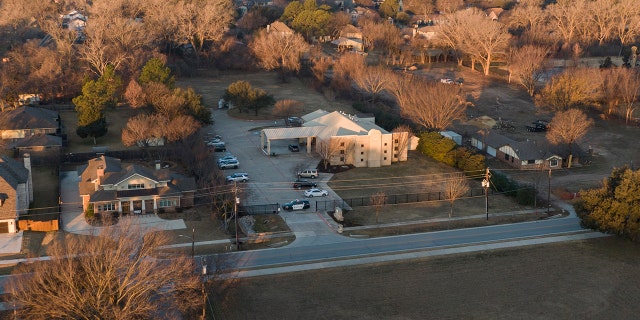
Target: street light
[
  {"x": 193, "y": 241},
  {"x": 549, "y": 193},
  {"x": 235, "y": 214}
]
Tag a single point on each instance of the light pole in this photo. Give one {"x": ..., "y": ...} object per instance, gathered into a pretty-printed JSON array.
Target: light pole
[
  {"x": 193, "y": 242},
  {"x": 549, "y": 193},
  {"x": 485, "y": 185},
  {"x": 235, "y": 214}
]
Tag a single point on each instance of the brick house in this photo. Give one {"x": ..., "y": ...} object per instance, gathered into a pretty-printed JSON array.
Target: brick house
[
  {"x": 16, "y": 191},
  {"x": 111, "y": 186}
]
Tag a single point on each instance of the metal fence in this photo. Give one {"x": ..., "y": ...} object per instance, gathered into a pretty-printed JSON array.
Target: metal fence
[
  {"x": 270, "y": 208},
  {"x": 347, "y": 204}
]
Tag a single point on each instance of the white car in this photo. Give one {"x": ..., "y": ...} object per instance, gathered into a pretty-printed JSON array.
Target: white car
[
  {"x": 227, "y": 158},
  {"x": 316, "y": 193},
  {"x": 238, "y": 177}
]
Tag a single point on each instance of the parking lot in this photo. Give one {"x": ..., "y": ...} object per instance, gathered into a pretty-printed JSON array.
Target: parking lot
[{"x": 271, "y": 177}]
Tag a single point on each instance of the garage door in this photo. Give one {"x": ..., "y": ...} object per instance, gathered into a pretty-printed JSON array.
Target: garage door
[{"x": 4, "y": 227}]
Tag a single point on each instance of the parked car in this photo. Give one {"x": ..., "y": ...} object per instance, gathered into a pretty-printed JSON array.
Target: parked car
[
  {"x": 214, "y": 143},
  {"x": 294, "y": 148},
  {"x": 227, "y": 158},
  {"x": 238, "y": 177},
  {"x": 300, "y": 184},
  {"x": 316, "y": 193},
  {"x": 296, "y": 205},
  {"x": 538, "y": 126},
  {"x": 308, "y": 173},
  {"x": 229, "y": 164}
]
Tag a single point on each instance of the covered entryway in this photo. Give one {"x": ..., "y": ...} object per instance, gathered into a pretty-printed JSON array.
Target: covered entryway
[{"x": 308, "y": 133}]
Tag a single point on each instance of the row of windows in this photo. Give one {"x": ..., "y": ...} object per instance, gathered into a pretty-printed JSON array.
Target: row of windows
[
  {"x": 163, "y": 203},
  {"x": 135, "y": 186}
]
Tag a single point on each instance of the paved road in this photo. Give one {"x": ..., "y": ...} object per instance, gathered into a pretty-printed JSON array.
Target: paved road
[{"x": 398, "y": 244}]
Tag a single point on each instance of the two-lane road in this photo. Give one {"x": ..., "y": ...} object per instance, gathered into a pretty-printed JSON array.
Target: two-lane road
[{"x": 397, "y": 244}]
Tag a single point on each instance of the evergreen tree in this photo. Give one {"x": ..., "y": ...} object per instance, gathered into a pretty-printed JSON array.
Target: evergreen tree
[
  {"x": 155, "y": 71},
  {"x": 96, "y": 95}
]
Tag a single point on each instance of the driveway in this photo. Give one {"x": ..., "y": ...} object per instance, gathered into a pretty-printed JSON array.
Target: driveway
[{"x": 272, "y": 176}]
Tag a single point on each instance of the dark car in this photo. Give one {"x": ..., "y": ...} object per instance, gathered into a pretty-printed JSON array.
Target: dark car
[
  {"x": 538, "y": 126},
  {"x": 293, "y": 148},
  {"x": 296, "y": 205},
  {"x": 299, "y": 184}
]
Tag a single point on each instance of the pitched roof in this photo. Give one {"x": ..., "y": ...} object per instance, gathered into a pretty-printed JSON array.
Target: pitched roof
[
  {"x": 13, "y": 172},
  {"x": 39, "y": 140},
  {"x": 278, "y": 26},
  {"x": 492, "y": 139},
  {"x": 28, "y": 118},
  {"x": 339, "y": 124}
]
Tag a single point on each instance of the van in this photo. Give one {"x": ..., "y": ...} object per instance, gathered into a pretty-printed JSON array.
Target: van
[{"x": 308, "y": 173}]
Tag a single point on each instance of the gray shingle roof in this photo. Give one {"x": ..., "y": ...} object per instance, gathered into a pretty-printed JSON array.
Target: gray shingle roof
[
  {"x": 28, "y": 118},
  {"x": 13, "y": 172}
]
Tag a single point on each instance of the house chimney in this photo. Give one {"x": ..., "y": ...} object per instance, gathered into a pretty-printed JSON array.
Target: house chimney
[
  {"x": 27, "y": 164},
  {"x": 158, "y": 166}
]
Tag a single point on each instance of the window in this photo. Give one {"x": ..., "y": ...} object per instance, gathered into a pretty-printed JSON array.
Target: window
[
  {"x": 385, "y": 151},
  {"x": 385, "y": 144},
  {"x": 385, "y": 158},
  {"x": 362, "y": 146},
  {"x": 135, "y": 186},
  {"x": 396, "y": 141},
  {"x": 362, "y": 152},
  {"x": 531, "y": 162},
  {"x": 361, "y": 160},
  {"x": 506, "y": 157},
  {"x": 108, "y": 207},
  {"x": 553, "y": 163},
  {"x": 396, "y": 148},
  {"x": 341, "y": 159},
  {"x": 341, "y": 151},
  {"x": 162, "y": 203},
  {"x": 342, "y": 144}
]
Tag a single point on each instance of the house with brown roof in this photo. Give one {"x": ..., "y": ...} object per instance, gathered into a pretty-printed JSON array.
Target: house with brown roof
[
  {"x": 16, "y": 192},
  {"x": 280, "y": 28},
  {"x": 107, "y": 185},
  {"x": 526, "y": 154},
  {"x": 26, "y": 121}
]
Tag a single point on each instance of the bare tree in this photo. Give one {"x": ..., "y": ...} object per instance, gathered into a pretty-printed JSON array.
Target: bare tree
[
  {"x": 142, "y": 130},
  {"x": 401, "y": 135},
  {"x": 278, "y": 51},
  {"x": 378, "y": 200},
  {"x": 287, "y": 108},
  {"x": 571, "y": 88},
  {"x": 432, "y": 105},
  {"x": 134, "y": 94},
  {"x": 115, "y": 275},
  {"x": 198, "y": 21},
  {"x": 527, "y": 65},
  {"x": 567, "y": 17},
  {"x": 602, "y": 20},
  {"x": 567, "y": 127},
  {"x": 626, "y": 21},
  {"x": 448, "y": 6},
  {"x": 372, "y": 80},
  {"x": 327, "y": 150},
  {"x": 455, "y": 187},
  {"x": 629, "y": 89}
]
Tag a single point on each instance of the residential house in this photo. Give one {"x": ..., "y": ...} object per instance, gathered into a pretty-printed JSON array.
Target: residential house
[
  {"x": 16, "y": 192},
  {"x": 26, "y": 121},
  {"x": 428, "y": 32},
  {"x": 494, "y": 13},
  {"x": 279, "y": 27},
  {"x": 32, "y": 130},
  {"x": 344, "y": 139},
  {"x": 526, "y": 154},
  {"x": 350, "y": 39},
  {"x": 107, "y": 185},
  {"x": 74, "y": 21}
]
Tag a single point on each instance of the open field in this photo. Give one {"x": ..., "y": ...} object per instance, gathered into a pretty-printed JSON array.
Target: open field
[
  {"x": 592, "y": 279},
  {"x": 116, "y": 120}
]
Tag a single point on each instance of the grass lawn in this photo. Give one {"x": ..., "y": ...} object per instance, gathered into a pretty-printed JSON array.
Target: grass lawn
[
  {"x": 116, "y": 120},
  {"x": 418, "y": 174},
  {"x": 592, "y": 279}
]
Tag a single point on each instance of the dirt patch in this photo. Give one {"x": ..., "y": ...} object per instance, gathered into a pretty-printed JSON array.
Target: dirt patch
[
  {"x": 212, "y": 89},
  {"x": 594, "y": 279}
]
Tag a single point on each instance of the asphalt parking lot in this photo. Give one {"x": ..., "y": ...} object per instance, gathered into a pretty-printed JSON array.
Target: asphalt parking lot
[{"x": 271, "y": 176}]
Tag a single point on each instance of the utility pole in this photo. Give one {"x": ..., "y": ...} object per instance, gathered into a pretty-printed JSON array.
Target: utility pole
[
  {"x": 236, "y": 201},
  {"x": 485, "y": 184},
  {"x": 193, "y": 243},
  {"x": 549, "y": 193}
]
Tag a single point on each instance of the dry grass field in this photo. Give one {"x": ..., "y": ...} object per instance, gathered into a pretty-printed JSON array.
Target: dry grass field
[
  {"x": 116, "y": 120},
  {"x": 592, "y": 279}
]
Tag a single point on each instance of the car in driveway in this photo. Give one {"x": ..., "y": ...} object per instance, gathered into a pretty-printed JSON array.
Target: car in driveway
[
  {"x": 303, "y": 184},
  {"x": 294, "y": 148},
  {"x": 238, "y": 177},
  {"x": 230, "y": 164},
  {"x": 296, "y": 205},
  {"x": 315, "y": 192}
]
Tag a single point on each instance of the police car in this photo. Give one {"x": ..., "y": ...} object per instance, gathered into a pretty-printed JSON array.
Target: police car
[{"x": 296, "y": 205}]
